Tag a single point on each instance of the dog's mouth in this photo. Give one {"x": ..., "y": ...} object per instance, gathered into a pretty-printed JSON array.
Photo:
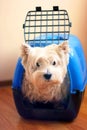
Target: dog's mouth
[
  {"x": 48, "y": 83},
  {"x": 44, "y": 84},
  {"x": 52, "y": 82}
]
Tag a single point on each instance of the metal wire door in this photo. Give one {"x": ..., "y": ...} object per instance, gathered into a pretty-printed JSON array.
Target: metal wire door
[{"x": 46, "y": 26}]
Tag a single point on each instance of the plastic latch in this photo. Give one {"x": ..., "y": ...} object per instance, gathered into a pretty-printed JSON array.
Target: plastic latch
[
  {"x": 70, "y": 24},
  {"x": 38, "y": 9},
  {"x": 23, "y": 26},
  {"x": 55, "y": 8}
]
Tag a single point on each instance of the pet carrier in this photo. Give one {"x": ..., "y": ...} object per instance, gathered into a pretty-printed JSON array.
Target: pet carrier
[{"x": 41, "y": 28}]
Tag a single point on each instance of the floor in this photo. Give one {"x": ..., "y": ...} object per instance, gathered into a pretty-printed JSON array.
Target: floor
[{"x": 10, "y": 119}]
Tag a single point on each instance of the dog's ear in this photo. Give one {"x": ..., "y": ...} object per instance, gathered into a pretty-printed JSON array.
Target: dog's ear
[
  {"x": 64, "y": 47},
  {"x": 25, "y": 49},
  {"x": 63, "y": 50}
]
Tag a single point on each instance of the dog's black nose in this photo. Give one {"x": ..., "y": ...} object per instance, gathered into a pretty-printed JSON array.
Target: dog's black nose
[{"x": 47, "y": 76}]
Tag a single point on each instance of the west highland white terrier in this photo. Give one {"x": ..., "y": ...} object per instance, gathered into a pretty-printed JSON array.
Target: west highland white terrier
[{"x": 45, "y": 74}]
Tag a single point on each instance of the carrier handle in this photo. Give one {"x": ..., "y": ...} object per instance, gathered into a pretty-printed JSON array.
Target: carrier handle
[{"x": 55, "y": 8}]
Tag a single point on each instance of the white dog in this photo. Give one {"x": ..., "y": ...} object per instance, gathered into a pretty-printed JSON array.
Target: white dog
[{"x": 45, "y": 72}]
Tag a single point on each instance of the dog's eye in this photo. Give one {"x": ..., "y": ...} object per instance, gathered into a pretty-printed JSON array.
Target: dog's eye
[
  {"x": 54, "y": 63},
  {"x": 37, "y": 64}
]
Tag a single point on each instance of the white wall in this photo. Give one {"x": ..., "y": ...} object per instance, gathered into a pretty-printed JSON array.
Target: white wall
[{"x": 12, "y": 16}]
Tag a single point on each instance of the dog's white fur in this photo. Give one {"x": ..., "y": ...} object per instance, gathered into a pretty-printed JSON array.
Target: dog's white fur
[{"x": 37, "y": 61}]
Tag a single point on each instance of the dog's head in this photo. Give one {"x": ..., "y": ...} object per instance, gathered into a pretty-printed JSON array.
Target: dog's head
[{"x": 45, "y": 66}]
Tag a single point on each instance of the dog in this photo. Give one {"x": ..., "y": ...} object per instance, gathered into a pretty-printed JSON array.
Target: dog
[{"x": 46, "y": 77}]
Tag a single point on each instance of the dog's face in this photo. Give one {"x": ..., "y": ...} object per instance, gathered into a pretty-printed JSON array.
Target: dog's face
[{"x": 47, "y": 66}]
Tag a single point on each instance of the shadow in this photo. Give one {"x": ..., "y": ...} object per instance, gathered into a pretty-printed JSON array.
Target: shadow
[{"x": 41, "y": 125}]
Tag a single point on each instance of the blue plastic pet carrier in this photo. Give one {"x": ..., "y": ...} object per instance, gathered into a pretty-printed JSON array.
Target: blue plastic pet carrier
[{"x": 41, "y": 28}]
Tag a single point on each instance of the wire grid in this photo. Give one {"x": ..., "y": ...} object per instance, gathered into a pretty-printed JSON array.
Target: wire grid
[{"x": 46, "y": 26}]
